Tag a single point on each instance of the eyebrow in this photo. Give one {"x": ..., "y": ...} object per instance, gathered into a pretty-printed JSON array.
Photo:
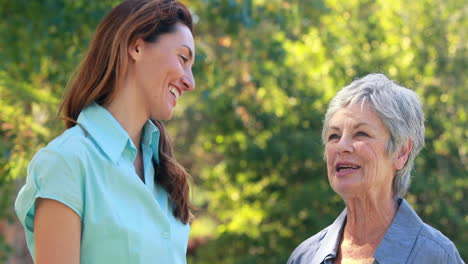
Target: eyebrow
[
  {"x": 354, "y": 127},
  {"x": 189, "y": 50},
  {"x": 360, "y": 124}
]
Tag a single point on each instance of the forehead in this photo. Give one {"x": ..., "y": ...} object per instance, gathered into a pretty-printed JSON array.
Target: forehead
[
  {"x": 182, "y": 36},
  {"x": 356, "y": 114}
]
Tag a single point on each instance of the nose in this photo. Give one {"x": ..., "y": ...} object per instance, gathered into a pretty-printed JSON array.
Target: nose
[
  {"x": 188, "y": 81},
  {"x": 345, "y": 145}
]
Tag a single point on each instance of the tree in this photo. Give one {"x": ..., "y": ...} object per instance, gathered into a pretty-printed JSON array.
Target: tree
[{"x": 268, "y": 70}]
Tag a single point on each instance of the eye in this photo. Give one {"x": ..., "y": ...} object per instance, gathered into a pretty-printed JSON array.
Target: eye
[
  {"x": 333, "y": 136},
  {"x": 362, "y": 134},
  {"x": 184, "y": 59}
]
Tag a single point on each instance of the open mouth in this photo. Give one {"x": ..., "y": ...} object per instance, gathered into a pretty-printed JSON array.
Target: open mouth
[
  {"x": 174, "y": 91},
  {"x": 342, "y": 167}
]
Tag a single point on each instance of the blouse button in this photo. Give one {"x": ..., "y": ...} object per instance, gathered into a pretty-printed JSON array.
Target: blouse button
[{"x": 165, "y": 235}]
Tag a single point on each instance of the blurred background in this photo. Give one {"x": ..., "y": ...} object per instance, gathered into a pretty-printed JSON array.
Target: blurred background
[{"x": 250, "y": 133}]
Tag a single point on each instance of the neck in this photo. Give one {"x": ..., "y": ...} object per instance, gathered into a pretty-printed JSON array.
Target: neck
[
  {"x": 368, "y": 219},
  {"x": 127, "y": 110}
]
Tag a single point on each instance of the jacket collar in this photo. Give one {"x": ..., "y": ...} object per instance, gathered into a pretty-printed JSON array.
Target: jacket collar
[
  {"x": 330, "y": 242},
  {"x": 400, "y": 236}
]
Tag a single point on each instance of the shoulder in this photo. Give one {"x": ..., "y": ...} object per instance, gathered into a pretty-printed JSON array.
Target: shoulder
[
  {"x": 436, "y": 245},
  {"x": 56, "y": 172},
  {"x": 428, "y": 244},
  {"x": 70, "y": 145},
  {"x": 307, "y": 249},
  {"x": 70, "y": 141},
  {"x": 67, "y": 155}
]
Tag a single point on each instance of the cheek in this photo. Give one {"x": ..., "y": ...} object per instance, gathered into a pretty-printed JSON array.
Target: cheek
[
  {"x": 330, "y": 158},
  {"x": 145, "y": 78},
  {"x": 372, "y": 156},
  {"x": 369, "y": 157},
  {"x": 366, "y": 151}
]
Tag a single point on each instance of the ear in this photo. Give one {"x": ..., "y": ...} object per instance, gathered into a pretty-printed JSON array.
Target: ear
[
  {"x": 402, "y": 155},
  {"x": 135, "y": 49}
]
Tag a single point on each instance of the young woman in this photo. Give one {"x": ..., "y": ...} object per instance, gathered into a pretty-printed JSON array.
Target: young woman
[{"x": 108, "y": 190}]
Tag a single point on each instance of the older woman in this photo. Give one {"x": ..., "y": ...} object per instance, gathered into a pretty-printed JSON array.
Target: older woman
[{"x": 373, "y": 130}]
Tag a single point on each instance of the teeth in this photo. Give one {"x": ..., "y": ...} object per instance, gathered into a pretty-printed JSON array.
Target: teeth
[
  {"x": 174, "y": 91},
  {"x": 347, "y": 167}
]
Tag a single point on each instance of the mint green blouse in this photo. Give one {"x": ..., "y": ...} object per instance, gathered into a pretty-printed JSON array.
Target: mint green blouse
[{"x": 124, "y": 220}]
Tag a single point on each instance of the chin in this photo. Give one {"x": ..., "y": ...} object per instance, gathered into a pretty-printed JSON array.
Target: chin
[
  {"x": 163, "y": 117},
  {"x": 168, "y": 117},
  {"x": 348, "y": 194},
  {"x": 347, "y": 190}
]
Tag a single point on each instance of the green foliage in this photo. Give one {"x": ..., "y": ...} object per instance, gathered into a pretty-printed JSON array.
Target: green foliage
[
  {"x": 5, "y": 250},
  {"x": 266, "y": 72},
  {"x": 250, "y": 133}
]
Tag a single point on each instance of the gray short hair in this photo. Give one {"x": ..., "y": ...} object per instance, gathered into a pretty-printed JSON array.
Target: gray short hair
[{"x": 400, "y": 110}]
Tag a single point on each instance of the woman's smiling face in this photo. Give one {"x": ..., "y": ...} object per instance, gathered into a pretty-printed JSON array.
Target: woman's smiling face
[
  {"x": 356, "y": 153},
  {"x": 163, "y": 71}
]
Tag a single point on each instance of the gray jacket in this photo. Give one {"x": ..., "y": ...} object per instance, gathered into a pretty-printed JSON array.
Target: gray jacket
[{"x": 408, "y": 240}]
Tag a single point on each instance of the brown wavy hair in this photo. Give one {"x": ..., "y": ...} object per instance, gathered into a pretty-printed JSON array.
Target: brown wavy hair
[{"x": 104, "y": 66}]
